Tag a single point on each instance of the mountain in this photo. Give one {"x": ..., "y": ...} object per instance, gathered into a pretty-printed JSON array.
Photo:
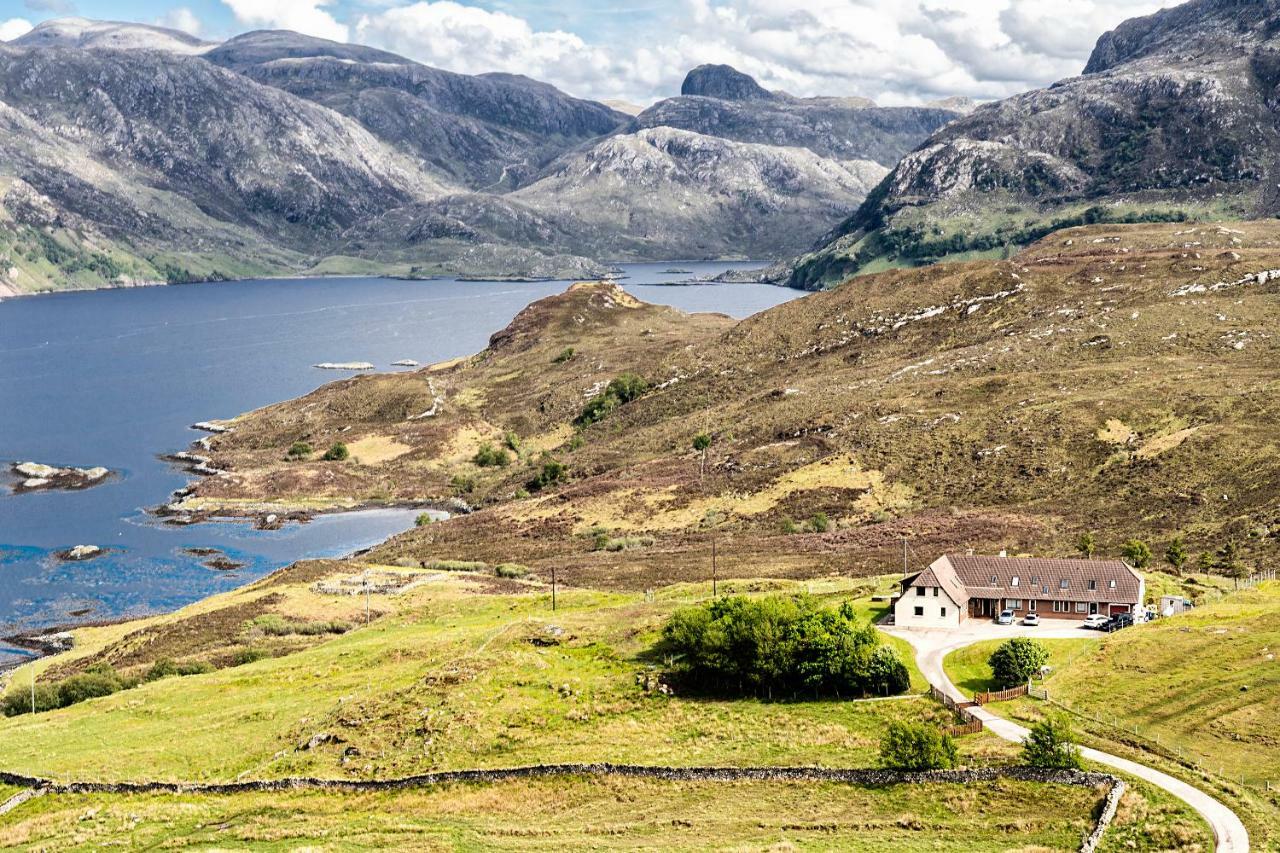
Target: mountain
[
  {"x": 110, "y": 35},
  {"x": 723, "y": 82},
  {"x": 1173, "y": 117},
  {"x": 490, "y": 131}
]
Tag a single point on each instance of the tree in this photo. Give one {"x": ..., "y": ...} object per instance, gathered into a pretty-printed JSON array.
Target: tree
[
  {"x": 701, "y": 442},
  {"x": 1229, "y": 562},
  {"x": 1086, "y": 545},
  {"x": 1017, "y": 660},
  {"x": 553, "y": 471},
  {"x": 337, "y": 452},
  {"x": 619, "y": 392},
  {"x": 1051, "y": 744},
  {"x": 1205, "y": 562},
  {"x": 299, "y": 450},
  {"x": 1137, "y": 553},
  {"x": 487, "y": 456},
  {"x": 916, "y": 746},
  {"x": 1176, "y": 555}
]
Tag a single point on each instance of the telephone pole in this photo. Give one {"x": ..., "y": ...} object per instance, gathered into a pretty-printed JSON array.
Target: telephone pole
[
  {"x": 553, "y": 588},
  {"x": 714, "y": 592},
  {"x": 906, "y": 564}
]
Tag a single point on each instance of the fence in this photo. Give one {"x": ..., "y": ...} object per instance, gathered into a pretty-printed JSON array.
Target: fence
[
  {"x": 986, "y": 697},
  {"x": 968, "y": 725}
]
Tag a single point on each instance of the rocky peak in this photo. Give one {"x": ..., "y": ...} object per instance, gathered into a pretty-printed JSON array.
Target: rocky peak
[
  {"x": 110, "y": 35},
  {"x": 1191, "y": 32},
  {"x": 724, "y": 82}
]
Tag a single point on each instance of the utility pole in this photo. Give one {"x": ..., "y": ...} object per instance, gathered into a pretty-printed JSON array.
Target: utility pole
[
  {"x": 906, "y": 565},
  {"x": 553, "y": 588},
  {"x": 366, "y": 597},
  {"x": 33, "y": 687},
  {"x": 714, "y": 592}
]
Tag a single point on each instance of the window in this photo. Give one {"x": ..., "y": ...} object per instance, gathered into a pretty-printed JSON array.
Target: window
[
  {"x": 1013, "y": 603},
  {"x": 1061, "y": 607},
  {"x": 1081, "y": 607},
  {"x": 1064, "y": 584},
  {"x": 919, "y": 590},
  {"x": 1031, "y": 605},
  {"x": 935, "y": 592},
  {"x": 1112, "y": 583},
  {"x": 919, "y": 611},
  {"x": 944, "y": 613},
  {"x": 1044, "y": 590},
  {"x": 1093, "y": 584},
  {"x": 1013, "y": 581},
  {"x": 994, "y": 580}
]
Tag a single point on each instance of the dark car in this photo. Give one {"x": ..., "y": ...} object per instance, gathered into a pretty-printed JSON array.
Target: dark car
[{"x": 1120, "y": 620}]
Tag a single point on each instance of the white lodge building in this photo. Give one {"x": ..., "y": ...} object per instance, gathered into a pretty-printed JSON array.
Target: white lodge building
[{"x": 957, "y": 587}]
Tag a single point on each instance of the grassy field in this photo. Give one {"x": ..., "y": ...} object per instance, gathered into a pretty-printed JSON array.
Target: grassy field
[
  {"x": 447, "y": 677},
  {"x": 968, "y": 668},
  {"x": 576, "y": 814}
]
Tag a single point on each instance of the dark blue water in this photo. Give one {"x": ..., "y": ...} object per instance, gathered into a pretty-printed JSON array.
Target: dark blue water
[{"x": 115, "y": 377}]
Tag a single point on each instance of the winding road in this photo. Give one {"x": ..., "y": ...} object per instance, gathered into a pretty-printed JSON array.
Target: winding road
[{"x": 933, "y": 645}]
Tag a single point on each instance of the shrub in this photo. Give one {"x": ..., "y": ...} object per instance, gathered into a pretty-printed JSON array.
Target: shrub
[
  {"x": 18, "y": 701},
  {"x": 619, "y": 392},
  {"x": 819, "y": 523},
  {"x": 337, "y": 452},
  {"x": 553, "y": 471},
  {"x": 511, "y": 441},
  {"x": 566, "y": 354},
  {"x": 1176, "y": 555},
  {"x": 1137, "y": 553},
  {"x": 780, "y": 644},
  {"x": 463, "y": 485},
  {"x": 165, "y": 667},
  {"x": 916, "y": 746},
  {"x": 247, "y": 655},
  {"x": 275, "y": 625},
  {"x": 1052, "y": 744},
  {"x": 423, "y": 520},
  {"x": 701, "y": 441},
  {"x": 789, "y": 526},
  {"x": 455, "y": 565},
  {"x": 97, "y": 681},
  {"x": 300, "y": 450},
  {"x": 1015, "y": 661},
  {"x": 1086, "y": 545},
  {"x": 489, "y": 456},
  {"x": 510, "y": 570}
]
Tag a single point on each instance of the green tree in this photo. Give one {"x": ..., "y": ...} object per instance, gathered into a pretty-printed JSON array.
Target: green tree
[
  {"x": 916, "y": 746},
  {"x": 423, "y": 520},
  {"x": 337, "y": 452},
  {"x": 1176, "y": 555},
  {"x": 1228, "y": 561},
  {"x": 1087, "y": 544},
  {"x": 1051, "y": 744},
  {"x": 1205, "y": 563},
  {"x": 565, "y": 354},
  {"x": 620, "y": 391},
  {"x": 701, "y": 442},
  {"x": 300, "y": 450},
  {"x": 1137, "y": 553},
  {"x": 1015, "y": 661},
  {"x": 488, "y": 456},
  {"x": 553, "y": 471}
]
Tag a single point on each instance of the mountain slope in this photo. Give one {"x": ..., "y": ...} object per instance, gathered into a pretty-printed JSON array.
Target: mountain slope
[
  {"x": 109, "y": 35},
  {"x": 1174, "y": 117}
]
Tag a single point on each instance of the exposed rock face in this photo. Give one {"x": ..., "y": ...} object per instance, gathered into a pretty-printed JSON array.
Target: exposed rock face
[
  {"x": 1174, "y": 116},
  {"x": 36, "y": 475},
  {"x": 724, "y": 82},
  {"x": 841, "y": 128},
  {"x": 110, "y": 35}
]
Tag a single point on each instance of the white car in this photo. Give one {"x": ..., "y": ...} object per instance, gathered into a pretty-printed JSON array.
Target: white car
[
  {"x": 1005, "y": 617},
  {"x": 1095, "y": 621},
  {"x": 1031, "y": 619}
]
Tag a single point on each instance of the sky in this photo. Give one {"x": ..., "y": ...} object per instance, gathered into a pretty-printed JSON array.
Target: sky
[{"x": 894, "y": 51}]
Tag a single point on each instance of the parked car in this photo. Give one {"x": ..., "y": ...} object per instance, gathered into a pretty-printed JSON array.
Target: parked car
[
  {"x": 1120, "y": 620},
  {"x": 1096, "y": 621},
  {"x": 1031, "y": 619},
  {"x": 1005, "y": 617}
]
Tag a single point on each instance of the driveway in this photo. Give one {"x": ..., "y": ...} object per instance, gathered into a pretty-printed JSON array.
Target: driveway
[{"x": 932, "y": 645}]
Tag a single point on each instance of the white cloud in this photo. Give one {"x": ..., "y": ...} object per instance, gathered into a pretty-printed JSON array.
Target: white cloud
[
  {"x": 14, "y": 27},
  {"x": 303, "y": 16},
  {"x": 182, "y": 19}
]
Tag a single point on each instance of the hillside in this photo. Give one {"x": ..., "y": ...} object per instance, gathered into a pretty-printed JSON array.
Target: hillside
[
  {"x": 1113, "y": 378},
  {"x": 1172, "y": 117}
]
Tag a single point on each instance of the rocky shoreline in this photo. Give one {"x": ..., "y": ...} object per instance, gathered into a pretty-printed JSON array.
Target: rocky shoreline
[{"x": 36, "y": 476}]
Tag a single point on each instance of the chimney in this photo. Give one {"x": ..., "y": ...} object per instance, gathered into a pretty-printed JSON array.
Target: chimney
[{"x": 1004, "y": 552}]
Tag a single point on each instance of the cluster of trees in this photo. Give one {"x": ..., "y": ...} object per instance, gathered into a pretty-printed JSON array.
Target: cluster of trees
[
  {"x": 619, "y": 392},
  {"x": 98, "y": 680},
  {"x": 908, "y": 745},
  {"x": 1016, "y": 661},
  {"x": 781, "y": 646},
  {"x": 1225, "y": 560}
]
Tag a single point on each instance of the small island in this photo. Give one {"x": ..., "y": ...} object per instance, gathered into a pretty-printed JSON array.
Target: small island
[{"x": 36, "y": 476}]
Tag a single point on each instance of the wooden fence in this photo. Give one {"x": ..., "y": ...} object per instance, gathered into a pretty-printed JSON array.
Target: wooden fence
[
  {"x": 986, "y": 697},
  {"x": 968, "y": 724}
]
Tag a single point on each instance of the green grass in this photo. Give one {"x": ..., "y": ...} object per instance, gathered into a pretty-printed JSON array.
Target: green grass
[
  {"x": 968, "y": 668},
  {"x": 451, "y": 680},
  {"x": 576, "y": 814}
]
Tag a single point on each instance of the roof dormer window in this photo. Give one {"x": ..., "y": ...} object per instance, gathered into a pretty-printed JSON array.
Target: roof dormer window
[
  {"x": 1112, "y": 583},
  {"x": 1064, "y": 584},
  {"x": 994, "y": 580},
  {"x": 1013, "y": 581},
  {"x": 1093, "y": 584}
]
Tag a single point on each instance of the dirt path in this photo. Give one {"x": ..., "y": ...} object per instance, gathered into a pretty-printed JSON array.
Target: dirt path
[{"x": 932, "y": 646}]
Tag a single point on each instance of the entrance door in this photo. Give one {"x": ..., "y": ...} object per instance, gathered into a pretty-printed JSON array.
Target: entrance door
[{"x": 1093, "y": 608}]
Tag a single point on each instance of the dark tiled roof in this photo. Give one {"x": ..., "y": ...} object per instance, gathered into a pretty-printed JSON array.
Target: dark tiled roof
[
  {"x": 939, "y": 574},
  {"x": 992, "y": 577}
]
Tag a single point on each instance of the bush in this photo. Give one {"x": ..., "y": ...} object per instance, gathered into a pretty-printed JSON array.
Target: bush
[
  {"x": 165, "y": 667},
  {"x": 488, "y": 456},
  {"x": 1015, "y": 661},
  {"x": 300, "y": 450},
  {"x": 246, "y": 656},
  {"x": 337, "y": 452},
  {"x": 275, "y": 625},
  {"x": 789, "y": 526},
  {"x": 916, "y": 746},
  {"x": 566, "y": 354},
  {"x": 701, "y": 441},
  {"x": 423, "y": 520},
  {"x": 463, "y": 485},
  {"x": 819, "y": 523},
  {"x": 510, "y": 570},
  {"x": 455, "y": 565},
  {"x": 18, "y": 701},
  {"x": 1137, "y": 553},
  {"x": 511, "y": 441},
  {"x": 780, "y": 644},
  {"x": 618, "y": 392},
  {"x": 553, "y": 471},
  {"x": 1051, "y": 744}
]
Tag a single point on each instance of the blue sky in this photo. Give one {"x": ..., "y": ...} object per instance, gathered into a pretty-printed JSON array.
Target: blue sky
[{"x": 895, "y": 51}]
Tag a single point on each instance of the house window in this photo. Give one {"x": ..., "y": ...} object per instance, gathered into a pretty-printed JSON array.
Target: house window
[
  {"x": 1064, "y": 584},
  {"x": 994, "y": 580},
  {"x": 1112, "y": 583},
  {"x": 1061, "y": 607},
  {"x": 1013, "y": 581},
  {"x": 1093, "y": 584},
  {"x": 1044, "y": 590},
  {"x": 944, "y": 613},
  {"x": 935, "y": 592},
  {"x": 1013, "y": 603},
  {"x": 1031, "y": 605},
  {"x": 1081, "y": 607},
  {"x": 919, "y": 590},
  {"x": 919, "y": 611}
]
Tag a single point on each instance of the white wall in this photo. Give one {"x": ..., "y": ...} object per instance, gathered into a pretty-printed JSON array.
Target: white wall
[{"x": 904, "y": 615}]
